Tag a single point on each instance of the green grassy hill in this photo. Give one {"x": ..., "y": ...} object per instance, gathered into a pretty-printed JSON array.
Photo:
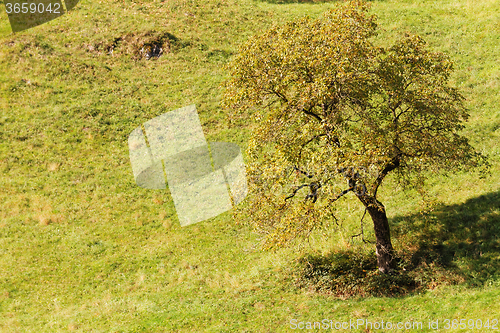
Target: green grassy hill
[{"x": 84, "y": 249}]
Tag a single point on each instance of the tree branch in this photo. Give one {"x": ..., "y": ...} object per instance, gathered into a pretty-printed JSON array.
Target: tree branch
[
  {"x": 310, "y": 113},
  {"x": 308, "y": 142},
  {"x": 393, "y": 164},
  {"x": 362, "y": 233},
  {"x": 341, "y": 194},
  {"x": 295, "y": 191},
  {"x": 280, "y": 95}
]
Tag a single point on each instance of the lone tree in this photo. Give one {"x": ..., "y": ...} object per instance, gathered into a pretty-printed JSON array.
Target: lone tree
[{"x": 328, "y": 106}]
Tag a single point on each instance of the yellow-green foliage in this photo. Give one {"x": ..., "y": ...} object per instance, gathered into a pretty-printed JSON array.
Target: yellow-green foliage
[{"x": 329, "y": 106}]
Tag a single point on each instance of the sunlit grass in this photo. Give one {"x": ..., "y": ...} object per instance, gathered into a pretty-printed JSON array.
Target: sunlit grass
[{"x": 84, "y": 249}]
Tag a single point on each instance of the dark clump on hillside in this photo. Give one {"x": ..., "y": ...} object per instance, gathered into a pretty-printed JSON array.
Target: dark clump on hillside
[
  {"x": 140, "y": 45},
  {"x": 347, "y": 274}
]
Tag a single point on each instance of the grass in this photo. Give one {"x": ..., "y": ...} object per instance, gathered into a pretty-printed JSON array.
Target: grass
[{"x": 84, "y": 249}]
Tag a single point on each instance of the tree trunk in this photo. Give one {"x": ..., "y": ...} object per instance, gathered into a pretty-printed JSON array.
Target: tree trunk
[{"x": 384, "y": 250}]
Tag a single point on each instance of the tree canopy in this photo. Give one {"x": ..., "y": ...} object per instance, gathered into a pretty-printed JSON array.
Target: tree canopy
[{"x": 329, "y": 105}]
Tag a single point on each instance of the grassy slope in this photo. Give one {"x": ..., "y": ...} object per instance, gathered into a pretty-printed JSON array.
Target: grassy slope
[{"x": 83, "y": 248}]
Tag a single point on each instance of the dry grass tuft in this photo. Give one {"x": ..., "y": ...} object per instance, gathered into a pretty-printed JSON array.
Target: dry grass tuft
[
  {"x": 53, "y": 166},
  {"x": 72, "y": 327}
]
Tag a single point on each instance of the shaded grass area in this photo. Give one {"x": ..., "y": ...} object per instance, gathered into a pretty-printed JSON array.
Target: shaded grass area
[
  {"x": 463, "y": 237},
  {"x": 349, "y": 274},
  {"x": 449, "y": 245}
]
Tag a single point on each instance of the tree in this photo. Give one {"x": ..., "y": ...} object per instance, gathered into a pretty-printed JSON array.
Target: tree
[{"x": 330, "y": 105}]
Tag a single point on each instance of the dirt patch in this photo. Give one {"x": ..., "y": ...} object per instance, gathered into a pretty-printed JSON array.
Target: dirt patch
[{"x": 140, "y": 45}]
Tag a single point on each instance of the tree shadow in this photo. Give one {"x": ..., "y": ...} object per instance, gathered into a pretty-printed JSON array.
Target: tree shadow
[
  {"x": 350, "y": 273},
  {"x": 452, "y": 244},
  {"x": 462, "y": 239}
]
